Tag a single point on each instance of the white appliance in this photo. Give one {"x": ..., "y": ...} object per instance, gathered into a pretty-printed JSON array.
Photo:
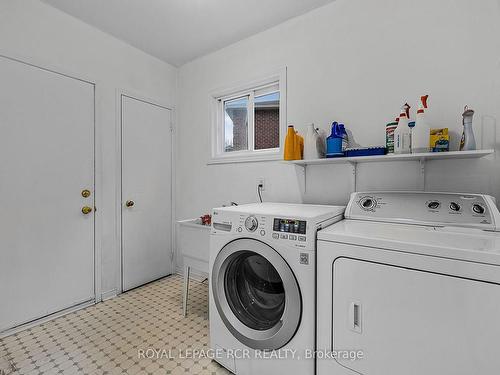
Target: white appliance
[
  {"x": 262, "y": 292},
  {"x": 413, "y": 281}
]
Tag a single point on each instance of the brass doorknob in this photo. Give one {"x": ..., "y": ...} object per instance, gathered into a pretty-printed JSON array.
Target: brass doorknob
[
  {"x": 129, "y": 203},
  {"x": 86, "y": 193},
  {"x": 86, "y": 210}
]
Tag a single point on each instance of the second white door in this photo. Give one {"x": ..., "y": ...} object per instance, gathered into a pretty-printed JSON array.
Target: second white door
[{"x": 146, "y": 192}]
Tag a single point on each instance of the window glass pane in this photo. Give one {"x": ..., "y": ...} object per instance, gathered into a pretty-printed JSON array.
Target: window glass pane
[
  {"x": 255, "y": 291},
  {"x": 267, "y": 121},
  {"x": 236, "y": 124}
]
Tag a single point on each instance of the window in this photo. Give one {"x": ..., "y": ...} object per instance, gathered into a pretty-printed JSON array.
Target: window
[{"x": 249, "y": 122}]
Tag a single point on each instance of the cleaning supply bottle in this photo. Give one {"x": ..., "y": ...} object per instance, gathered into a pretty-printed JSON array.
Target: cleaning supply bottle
[
  {"x": 420, "y": 133},
  {"x": 468, "y": 142},
  {"x": 334, "y": 142},
  {"x": 345, "y": 138},
  {"x": 402, "y": 132},
  {"x": 311, "y": 150},
  {"x": 290, "y": 141},
  {"x": 389, "y": 136},
  {"x": 321, "y": 143},
  {"x": 299, "y": 147}
]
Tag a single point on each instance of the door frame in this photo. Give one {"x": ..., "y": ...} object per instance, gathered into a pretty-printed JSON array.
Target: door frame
[
  {"x": 97, "y": 174},
  {"x": 165, "y": 104}
]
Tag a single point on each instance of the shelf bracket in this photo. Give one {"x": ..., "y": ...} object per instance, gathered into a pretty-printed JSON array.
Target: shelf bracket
[
  {"x": 302, "y": 176},
  {"x": 354, "y": 167},
  {"x": 422, "y": 174}
]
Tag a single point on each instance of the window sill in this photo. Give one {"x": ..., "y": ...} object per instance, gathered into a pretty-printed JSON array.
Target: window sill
[{"x": 245, "y": 158}]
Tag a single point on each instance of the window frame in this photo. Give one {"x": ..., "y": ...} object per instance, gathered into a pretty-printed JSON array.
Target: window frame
[{"x": 217, "y": 99}]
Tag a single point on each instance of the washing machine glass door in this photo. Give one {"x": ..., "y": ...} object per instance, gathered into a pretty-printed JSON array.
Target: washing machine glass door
[{"x": 256, "y": 294}]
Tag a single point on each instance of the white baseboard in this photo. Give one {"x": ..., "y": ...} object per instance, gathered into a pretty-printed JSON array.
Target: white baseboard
[
  {"x": 36, "y": 322},
  {"x": 109, "y": 294}
]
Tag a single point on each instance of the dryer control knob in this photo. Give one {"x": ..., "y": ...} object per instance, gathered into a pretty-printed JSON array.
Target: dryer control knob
[
  {"x": 251, "y": 223},
  {"x": 368, "y": 203},
  {"x": 434, "y": 205},
  {"x": 478, "y": 209}
]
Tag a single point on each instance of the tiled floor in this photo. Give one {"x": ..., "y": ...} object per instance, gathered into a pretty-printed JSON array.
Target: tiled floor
[{"x": 111, "y": 337}]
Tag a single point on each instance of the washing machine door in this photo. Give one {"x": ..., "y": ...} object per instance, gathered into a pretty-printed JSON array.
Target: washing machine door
[{"x": 256, "y": 294}]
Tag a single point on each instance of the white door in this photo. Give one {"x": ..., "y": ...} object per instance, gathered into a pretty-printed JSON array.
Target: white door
[
  {"x": 46, "y": 160},
  {"x": 146, "y": 192},
  {"x": 414, "y": 322}
]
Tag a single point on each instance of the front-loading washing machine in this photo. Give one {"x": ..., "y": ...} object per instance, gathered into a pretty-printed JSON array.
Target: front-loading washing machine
[
  {"x": 262, "y": 286},
  {"x": 411, "y": 282}
]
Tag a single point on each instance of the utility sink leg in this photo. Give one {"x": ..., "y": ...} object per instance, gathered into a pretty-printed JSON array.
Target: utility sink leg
[{"x": 185, "y": 296}]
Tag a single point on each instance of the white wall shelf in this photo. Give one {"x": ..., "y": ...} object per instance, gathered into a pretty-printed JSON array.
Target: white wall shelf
[{"x": 420, "y": 157}]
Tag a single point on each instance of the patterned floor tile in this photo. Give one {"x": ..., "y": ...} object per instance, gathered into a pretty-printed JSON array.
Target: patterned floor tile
[{"x": 130, "y": 334}]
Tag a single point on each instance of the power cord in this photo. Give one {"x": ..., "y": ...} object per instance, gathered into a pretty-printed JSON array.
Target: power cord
[{"x": 259, "y": 189}]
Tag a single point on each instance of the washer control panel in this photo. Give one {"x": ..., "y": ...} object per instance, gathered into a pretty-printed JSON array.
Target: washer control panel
[
  {"x": 439, "y": 209},
  {"x": 289, "y": 229}
]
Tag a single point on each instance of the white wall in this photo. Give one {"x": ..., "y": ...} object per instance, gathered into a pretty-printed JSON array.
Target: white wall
[
  {"x": 40, "y": 33},
  {"x": 354, "y": 61}
]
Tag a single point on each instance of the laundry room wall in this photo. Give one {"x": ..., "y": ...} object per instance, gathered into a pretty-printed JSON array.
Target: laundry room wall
[
  {"x": 33, "y": 31},
  {"x": 357, "y": 62}
]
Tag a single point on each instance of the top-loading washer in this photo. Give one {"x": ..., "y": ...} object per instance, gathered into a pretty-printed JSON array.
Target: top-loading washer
[
  {"x": 262, "y": 286},
  {"x": 412, "y": 281}
]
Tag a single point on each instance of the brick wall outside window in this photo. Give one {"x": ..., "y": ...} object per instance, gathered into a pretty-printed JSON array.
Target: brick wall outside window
[{"x": 267, "y": 128}]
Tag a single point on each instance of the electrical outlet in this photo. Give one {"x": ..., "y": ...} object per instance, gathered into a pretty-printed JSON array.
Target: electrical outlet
[{"x": 261, "y": 182}]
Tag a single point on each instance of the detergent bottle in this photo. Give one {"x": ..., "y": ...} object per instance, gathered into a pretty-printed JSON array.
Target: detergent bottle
[
  {"x": 334, "y": 142},
  {"x": 420, "y": 133},
  {"x": 311, "y": 150},
  {"x": 402, "y": 132},
  {"x": 299, "y": 147},
  {"x": 290, "y": 141}
]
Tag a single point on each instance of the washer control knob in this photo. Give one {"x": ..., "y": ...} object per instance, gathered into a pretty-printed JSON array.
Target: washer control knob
[
  {"x": 478, "y": 209},
  {"x": 251, "y": 223},
  {"x": 454, "y": 206},
  {"x": 367, "y": 203},
  {"x": 434, "y": 205}
]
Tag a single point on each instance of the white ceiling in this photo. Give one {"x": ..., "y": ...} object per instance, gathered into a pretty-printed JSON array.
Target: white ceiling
[{"x": 177, "y": 31}]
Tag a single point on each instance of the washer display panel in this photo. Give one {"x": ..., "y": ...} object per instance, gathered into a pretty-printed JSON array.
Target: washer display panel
[{"x": 256, "y": 294}]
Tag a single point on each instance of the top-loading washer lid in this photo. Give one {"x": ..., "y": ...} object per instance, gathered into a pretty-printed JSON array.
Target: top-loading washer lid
[{"x": 454, "y": 243}]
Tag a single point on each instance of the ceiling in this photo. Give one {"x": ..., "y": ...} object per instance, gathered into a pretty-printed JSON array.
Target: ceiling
[{"x": 177, "y": 31}]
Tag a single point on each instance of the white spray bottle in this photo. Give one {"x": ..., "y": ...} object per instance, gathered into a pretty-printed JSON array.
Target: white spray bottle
[
  {"x": 402, "y": 132},
  {"x": 468, "y": 142},
  {"x": 421, "y": 131}
]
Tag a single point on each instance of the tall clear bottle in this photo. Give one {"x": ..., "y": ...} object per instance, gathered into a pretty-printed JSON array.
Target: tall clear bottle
[
  {"x": 421, "y": 131},
  {"x": 402, "y": 137}
]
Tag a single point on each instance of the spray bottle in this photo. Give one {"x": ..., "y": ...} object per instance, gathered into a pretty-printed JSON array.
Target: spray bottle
[
  {"x": 420, "y": 133},
  {"x": 402, "y": 132},
  {"x": 468, "y": 142}
]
